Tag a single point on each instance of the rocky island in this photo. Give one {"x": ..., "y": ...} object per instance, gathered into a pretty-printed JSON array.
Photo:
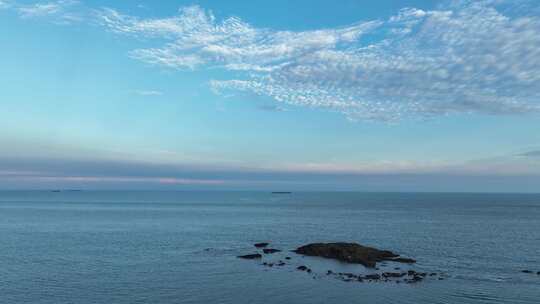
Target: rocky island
[{"x": 351, "y": 253}]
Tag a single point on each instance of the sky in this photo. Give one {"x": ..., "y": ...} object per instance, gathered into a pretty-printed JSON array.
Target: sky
[{"x": 270, "y": 95}]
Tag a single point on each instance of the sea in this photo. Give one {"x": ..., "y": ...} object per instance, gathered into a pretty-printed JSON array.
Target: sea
[{"x": 166, "y": 247}]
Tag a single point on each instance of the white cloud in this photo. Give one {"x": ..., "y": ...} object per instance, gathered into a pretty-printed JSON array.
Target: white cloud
[
  {"x": 469, "y": 57},
  {"x": 272, "y": 108},
  {"x": 148, "y": 93},
  {"x": 61, "y": 11},
  {"x": 5, "y": 4},
  {"x": 197, "y": 39}
]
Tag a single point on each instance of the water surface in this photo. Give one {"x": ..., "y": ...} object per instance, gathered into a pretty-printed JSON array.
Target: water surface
[{"x": 181, "y": 247}]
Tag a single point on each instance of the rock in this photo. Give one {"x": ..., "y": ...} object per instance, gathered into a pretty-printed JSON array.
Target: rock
[
  {"x": 350, "y": 275},
  {"x": 374, "y": 276},
  {"x": 260, "y": 245},
  {"x": 393, "y": 274},
  {"x": 302, "y": 268},
  {"x": 250, "y": 256},
  {"x": 287, "y": 258},
  {"x": 351, "y": 253},
  {"x": 270, "y": 250}
]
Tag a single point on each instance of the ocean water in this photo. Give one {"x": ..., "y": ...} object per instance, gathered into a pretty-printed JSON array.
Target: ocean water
[{"x": 181, "y": 247}]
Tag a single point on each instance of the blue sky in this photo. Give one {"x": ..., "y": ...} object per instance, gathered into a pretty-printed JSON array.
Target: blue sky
[{"x": 308, "y": 95}]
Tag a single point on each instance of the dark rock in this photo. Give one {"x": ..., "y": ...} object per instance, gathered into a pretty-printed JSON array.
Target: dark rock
[
  {"x": 351, "y": 253},
  {"x": 261, "y": 245},
  {"x": 268, "y": 251},
  {"x": 302, "y": 268},
  {"x": 374, "y": 276},
  {"x": 250, "y": 256},
  {"x": 287, "y": 258},
  {"x": 393, "y": 274}
]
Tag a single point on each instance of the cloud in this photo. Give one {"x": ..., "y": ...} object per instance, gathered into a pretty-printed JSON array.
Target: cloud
[
  {"x": 532, "y": 154},
  {"x": 197, "y": 39},
  {"x": 50, "y": 173},
  {"x": 61, "y": 11},
  {"x": 469, "y": 57},
  {"x": 148, "y": 93},
  {"x": 272, "y": 108},
  {"x": 5, "y": 4}
]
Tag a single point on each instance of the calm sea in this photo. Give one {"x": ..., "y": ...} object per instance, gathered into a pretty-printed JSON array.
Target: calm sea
[{"x": 181, "y": 247}]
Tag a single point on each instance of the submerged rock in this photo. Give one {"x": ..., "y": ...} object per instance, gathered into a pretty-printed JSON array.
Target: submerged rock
[
  {"x": 260, "y": 245},
  {"x": 374, "y": 276},
  {"x": 270, "y": 250},
  {"x": 250, "y": 256},
  {"x": 394, "y": 274},
  {"x": 303, "y": 268},
  {"x": 351, "y": 253}
]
